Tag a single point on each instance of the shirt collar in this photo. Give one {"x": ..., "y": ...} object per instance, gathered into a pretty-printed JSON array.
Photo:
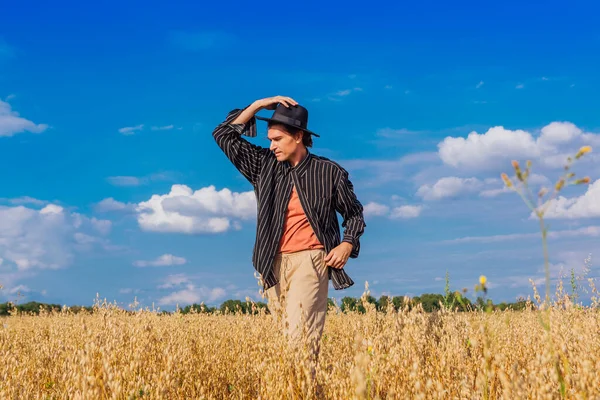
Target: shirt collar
[{"x": 302, "y": 165}]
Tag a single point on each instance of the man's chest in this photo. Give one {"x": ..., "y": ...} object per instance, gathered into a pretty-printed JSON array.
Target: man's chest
[{"x": 313, "y": 189}]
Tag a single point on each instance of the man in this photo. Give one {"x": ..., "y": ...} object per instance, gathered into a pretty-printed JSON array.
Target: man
[{"x": 298, "y": 247}]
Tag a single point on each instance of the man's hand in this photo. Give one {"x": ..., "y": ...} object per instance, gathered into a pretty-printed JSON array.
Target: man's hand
[
  {"x": 270, "y": 103},
  {"x": 338, "y": 256}
]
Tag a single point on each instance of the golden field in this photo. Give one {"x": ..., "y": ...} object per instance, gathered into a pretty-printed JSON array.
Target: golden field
[{"x": 115, "y": 354}]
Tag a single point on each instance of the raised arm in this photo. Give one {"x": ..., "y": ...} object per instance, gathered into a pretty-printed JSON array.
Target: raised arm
[{"x": 245, "y": 156}]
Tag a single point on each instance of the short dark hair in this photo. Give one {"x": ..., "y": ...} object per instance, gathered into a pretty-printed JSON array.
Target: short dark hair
[{"x": 306, "y": 137}]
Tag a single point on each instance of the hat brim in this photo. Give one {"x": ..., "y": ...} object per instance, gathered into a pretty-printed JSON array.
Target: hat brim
[{"x": 285, "y": 123}]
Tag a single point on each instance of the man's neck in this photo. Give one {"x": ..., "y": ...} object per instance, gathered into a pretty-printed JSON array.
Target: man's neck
[{"x": 298, "y": 157}]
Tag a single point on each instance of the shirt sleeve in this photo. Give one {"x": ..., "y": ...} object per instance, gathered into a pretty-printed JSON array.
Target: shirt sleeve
[
  {"x": 245, "y": 156},
  {"x": 352, "y": 212}
]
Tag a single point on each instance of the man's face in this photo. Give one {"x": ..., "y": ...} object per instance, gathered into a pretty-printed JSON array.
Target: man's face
[{"x": 283, "y": 144}]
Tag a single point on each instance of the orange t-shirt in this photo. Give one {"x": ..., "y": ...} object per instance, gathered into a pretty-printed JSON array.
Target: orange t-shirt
[{"x": 297, "y": 233}]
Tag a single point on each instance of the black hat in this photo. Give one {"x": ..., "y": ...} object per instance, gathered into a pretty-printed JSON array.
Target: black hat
[{"x": 294, "y": 116}]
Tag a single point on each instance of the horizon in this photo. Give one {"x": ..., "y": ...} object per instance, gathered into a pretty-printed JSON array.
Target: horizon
[{"x": 112, "y": 176}]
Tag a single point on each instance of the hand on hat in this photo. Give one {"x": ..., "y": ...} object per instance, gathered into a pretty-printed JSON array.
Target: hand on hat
[{"x": 270, "y": 103}]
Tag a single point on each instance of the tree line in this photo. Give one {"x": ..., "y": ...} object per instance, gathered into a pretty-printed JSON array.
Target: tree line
[{"x": 428, "y": 302}]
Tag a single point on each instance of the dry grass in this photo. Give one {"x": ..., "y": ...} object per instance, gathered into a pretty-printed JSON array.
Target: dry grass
[
  {"x": 113, "y": 354},
  {"x": 545, "y": 353}
]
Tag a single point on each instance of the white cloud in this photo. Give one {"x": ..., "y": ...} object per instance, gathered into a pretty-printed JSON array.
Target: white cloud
[
  {"x": 46, "y": 238},
  {"x": 52, "y": 209},
  {"x": 534, "y": 180},
  {"x": 19, "y": 289},
  {"x": 480, "y": 84},
  {"x": 191, "y": 294},
  {"x": 187, "y": 293},
  {"x": 27, "y": 200},
  {"x": 379, "y": 166},
  {"x": 584, "y": 206},
  {"x": 378, "y": 172},
  {"x": 584, "y": 231},
  {"x": 202, "y": 211},
  {"x": 405, "y": 212},
  {"x": 591, "y": 139},
  {"x": 520, "y": 86},
  {"x": 110, "y": 204},
  {"x": 123, "y": 180},
  {"x": 495, "y": 192},
  {"x": 174, "y": 280},
  {"x": 9, "y": 280},
  {"x": 448, "y": 187},
  {"x": 162, "y": 128},
  {"x": 498, "y": 146},
  {"x": 130, "y": 291},
  {"x": 216, "y": 293},
  {"x": 135, "y": 181},
  {"x": 182, "y": 297},
  {"x": 375, "y": 209},
  {"x": 395, "y": 133},
  {"x": 130, "y": 130},
  {"x": 83, "y": 239},
  {"x": 11, "y": 123},
  {"x": 558, "y": 133},
  {"x": 400, "y": 212},
  {"x": 165, "y": 260},
  {"x": 492, "y": 147},
  {"x": 102, "y": 226},
  {"x": 343, "y": 93}
]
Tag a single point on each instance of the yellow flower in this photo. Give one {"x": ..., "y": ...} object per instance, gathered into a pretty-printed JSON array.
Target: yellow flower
[
  {"x": 583, "y": 150},
  {"x": 517, "y": 168},
  {"x": 506, "y": 180},
  {"x": 583, "y": 180},
  {"x": 482, "y": 280}
]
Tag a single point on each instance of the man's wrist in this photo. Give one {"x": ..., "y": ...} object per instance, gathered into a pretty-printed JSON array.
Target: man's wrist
[
  {"x": 246, "y": 114},
  {"x": 256, "y": 106},
  {"x": 348, "y": 243}
]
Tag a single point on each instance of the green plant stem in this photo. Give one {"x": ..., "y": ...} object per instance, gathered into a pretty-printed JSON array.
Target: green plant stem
[
  {"x": 529, "y": 200},
  {"x": 546, "y": 262},
  {"x": 525, "y": 199}
]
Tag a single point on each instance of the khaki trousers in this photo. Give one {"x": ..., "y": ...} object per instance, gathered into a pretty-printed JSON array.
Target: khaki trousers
[{"x": 299, "y": 300}]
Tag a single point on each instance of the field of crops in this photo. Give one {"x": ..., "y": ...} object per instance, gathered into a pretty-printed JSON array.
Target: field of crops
[{"x": 115, "y": 354}]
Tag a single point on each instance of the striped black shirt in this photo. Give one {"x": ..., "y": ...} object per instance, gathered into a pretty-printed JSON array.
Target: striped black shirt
[{"x": 323, "y": 188}]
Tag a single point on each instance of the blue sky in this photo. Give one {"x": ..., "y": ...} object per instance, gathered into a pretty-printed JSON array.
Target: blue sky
[{"x": 111, "y": 172}]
